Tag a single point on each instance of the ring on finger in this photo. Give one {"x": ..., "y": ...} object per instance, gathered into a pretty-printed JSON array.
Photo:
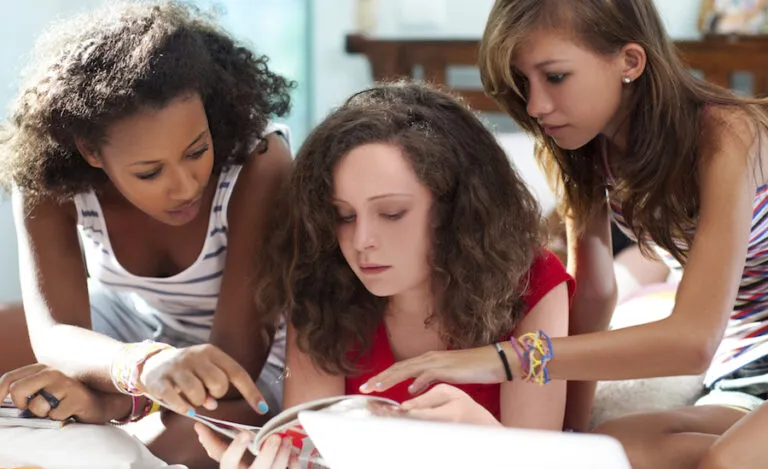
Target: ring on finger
[{"x": 52, "y": 400}]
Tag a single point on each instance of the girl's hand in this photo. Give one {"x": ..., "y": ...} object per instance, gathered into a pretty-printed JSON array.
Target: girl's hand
[
  {"x": 195, "y": 377},
  {"x": 49, "y": 393},
  {"x": 478, "y": 365},
  {"x": 274, "y": 454},
  {"x": 448, "y": 404}
]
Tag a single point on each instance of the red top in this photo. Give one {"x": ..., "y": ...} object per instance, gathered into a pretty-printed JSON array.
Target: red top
[{"x": 546, "y": 273}]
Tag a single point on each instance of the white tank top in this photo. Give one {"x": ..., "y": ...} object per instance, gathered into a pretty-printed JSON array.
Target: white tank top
[{"x": 184, "y": 302}]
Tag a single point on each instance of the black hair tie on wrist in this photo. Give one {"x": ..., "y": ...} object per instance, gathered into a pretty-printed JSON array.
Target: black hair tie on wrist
[{"x": 503, "y": 357}]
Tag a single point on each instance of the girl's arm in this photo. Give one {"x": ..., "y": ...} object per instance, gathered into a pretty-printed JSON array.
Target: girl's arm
[
  {"x": 525, "y": 405},
  {"x": 681, "y": 344},
  {"x": 238, "y": 327},
  {"x": 685, "y": 342},
  {"x": 304, "y": 381},
  {"x": 590, "y": 262},
  {"x": 55, "y": 293}
]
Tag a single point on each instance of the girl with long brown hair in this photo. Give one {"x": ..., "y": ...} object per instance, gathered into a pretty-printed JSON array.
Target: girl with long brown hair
[{"x": 626, "y": 132}]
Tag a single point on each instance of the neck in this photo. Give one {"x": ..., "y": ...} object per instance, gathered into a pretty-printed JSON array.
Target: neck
[
  {"x": 616, "y": 132},
  {"x": 414, "y": 305}
]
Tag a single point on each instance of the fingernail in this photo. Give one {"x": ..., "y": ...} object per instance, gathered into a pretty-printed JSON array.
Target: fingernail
[
  {"x": 191, "y": 412},
  {"x": 210, "y": 403},
  {"x": 363, "y": 387},
  {"x": 263, "y": 407},
  {"x": 274, "y": 441},
  {"x": 378, "y": 385},
  {"x": 411, "y": 388}
]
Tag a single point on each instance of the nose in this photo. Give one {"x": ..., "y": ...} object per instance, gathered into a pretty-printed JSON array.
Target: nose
[
  {"x": 539, "y": 102},
  {"x": 184, "y": 185},
  {"x": 365, "y": 234}
]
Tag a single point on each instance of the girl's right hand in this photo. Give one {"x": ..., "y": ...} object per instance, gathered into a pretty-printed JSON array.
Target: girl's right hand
[
  {"x": 479, "y": 365},
  {"x": 197, "y": 376},
  {"x": 274, "y": 454},
  {"x": 49, "y": 393}
]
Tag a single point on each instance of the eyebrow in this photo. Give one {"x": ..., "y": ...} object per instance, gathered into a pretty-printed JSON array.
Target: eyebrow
[
  {"x": 549, "y": 62},
  {"x": 379, "y": 196},
  {"x": 197, "y": 139}
]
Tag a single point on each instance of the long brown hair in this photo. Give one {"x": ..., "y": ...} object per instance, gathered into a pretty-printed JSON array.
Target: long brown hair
[
  {"x": 657, "y": 180},
  {"x": 485, "y": 237}
]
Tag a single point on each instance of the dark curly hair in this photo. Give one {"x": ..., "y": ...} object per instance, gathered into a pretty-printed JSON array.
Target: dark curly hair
[
  {"x": 97, "y": 68},
  {"x": 486, "y": 227}
]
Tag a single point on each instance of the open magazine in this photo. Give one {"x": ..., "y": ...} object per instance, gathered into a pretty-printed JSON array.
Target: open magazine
[
  {"x": 286, "y": 423},
  {"x": 12, "y": 416}
]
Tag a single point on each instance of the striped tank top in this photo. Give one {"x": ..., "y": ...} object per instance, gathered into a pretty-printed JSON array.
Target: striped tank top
[
  {"x": 746, "y": 335},
  {"x": 185, "y": 302}
]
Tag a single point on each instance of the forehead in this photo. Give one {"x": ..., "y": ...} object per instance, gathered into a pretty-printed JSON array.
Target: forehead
[
  {"x": 156, "y": 133},
  {"x": 543, "y": 45},
  {"x": 374, "y": 168}
]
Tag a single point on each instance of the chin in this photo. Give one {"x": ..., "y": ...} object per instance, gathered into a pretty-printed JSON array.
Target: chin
[
  {"x": 571, "y": 143},
  {"x": 380, "y": 290}
]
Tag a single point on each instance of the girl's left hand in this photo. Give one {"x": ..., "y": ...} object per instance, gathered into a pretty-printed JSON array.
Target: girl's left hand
[
  {"x": 274, "y": 454},
  {"x": 448, "y": 404}
]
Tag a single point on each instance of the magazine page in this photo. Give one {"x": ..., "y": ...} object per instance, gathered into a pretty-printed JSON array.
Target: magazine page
[{"x": 287, "y": 423}]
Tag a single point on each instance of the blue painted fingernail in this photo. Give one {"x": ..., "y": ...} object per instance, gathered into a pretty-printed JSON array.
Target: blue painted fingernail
[
  {"x": 263, "y": 407},
  {"x": 411, "y": 387},
  {"x": 364, "y": 387},
  {"x": 191, "y": 412},
  {"x": 378, "y": 385}
]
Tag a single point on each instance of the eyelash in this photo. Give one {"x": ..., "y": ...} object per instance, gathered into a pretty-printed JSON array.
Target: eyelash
[
  {"x": 192, "y": 156},
  {"x": 556, "y": 78},
  {"x": 386, "y": 216}
]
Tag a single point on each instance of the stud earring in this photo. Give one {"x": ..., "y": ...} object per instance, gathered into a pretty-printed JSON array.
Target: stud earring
[{"x": 626, "y": 80}]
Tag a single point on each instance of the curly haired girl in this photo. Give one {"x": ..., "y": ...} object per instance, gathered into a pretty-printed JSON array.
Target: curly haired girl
[
  {"x": 144, "y": 128},
  {"x": 407, "y": 231}
]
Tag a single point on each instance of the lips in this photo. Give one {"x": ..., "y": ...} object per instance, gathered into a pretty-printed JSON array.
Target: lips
[
  {"x": 186, "y": 205},
  {"x": 551, "y": 129},
  {"x": 373, "y": 268}
]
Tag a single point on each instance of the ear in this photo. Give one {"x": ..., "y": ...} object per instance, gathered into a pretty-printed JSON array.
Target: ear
[
  {"x": 633, "y": 61},
  {"x": 88, "y": 152}
]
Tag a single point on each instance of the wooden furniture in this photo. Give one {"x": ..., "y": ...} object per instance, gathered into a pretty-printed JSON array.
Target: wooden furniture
[{"x": 718, "y": 58}]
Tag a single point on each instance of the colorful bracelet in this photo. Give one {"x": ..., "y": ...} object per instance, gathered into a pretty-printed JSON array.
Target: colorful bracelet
[
  {"x": 137, "y": 413},
  {"x": 504, "y": 360},
  {"x": 127, "y": 364},
  {"x": 537, "y": 353}
]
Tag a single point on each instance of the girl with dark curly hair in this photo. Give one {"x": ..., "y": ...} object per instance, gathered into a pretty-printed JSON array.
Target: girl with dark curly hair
[
  {"x": 407, "y": 231},
  {"x": 144, "y": 128}
]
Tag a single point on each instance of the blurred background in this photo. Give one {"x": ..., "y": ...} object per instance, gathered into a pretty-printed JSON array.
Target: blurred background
[{"x": 306, "y": 41}]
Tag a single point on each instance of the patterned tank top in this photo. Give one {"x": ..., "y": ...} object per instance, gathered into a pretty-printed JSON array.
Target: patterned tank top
[
  {"x": 746, "y": 335},
  {"x": 184, "y": 302}
]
